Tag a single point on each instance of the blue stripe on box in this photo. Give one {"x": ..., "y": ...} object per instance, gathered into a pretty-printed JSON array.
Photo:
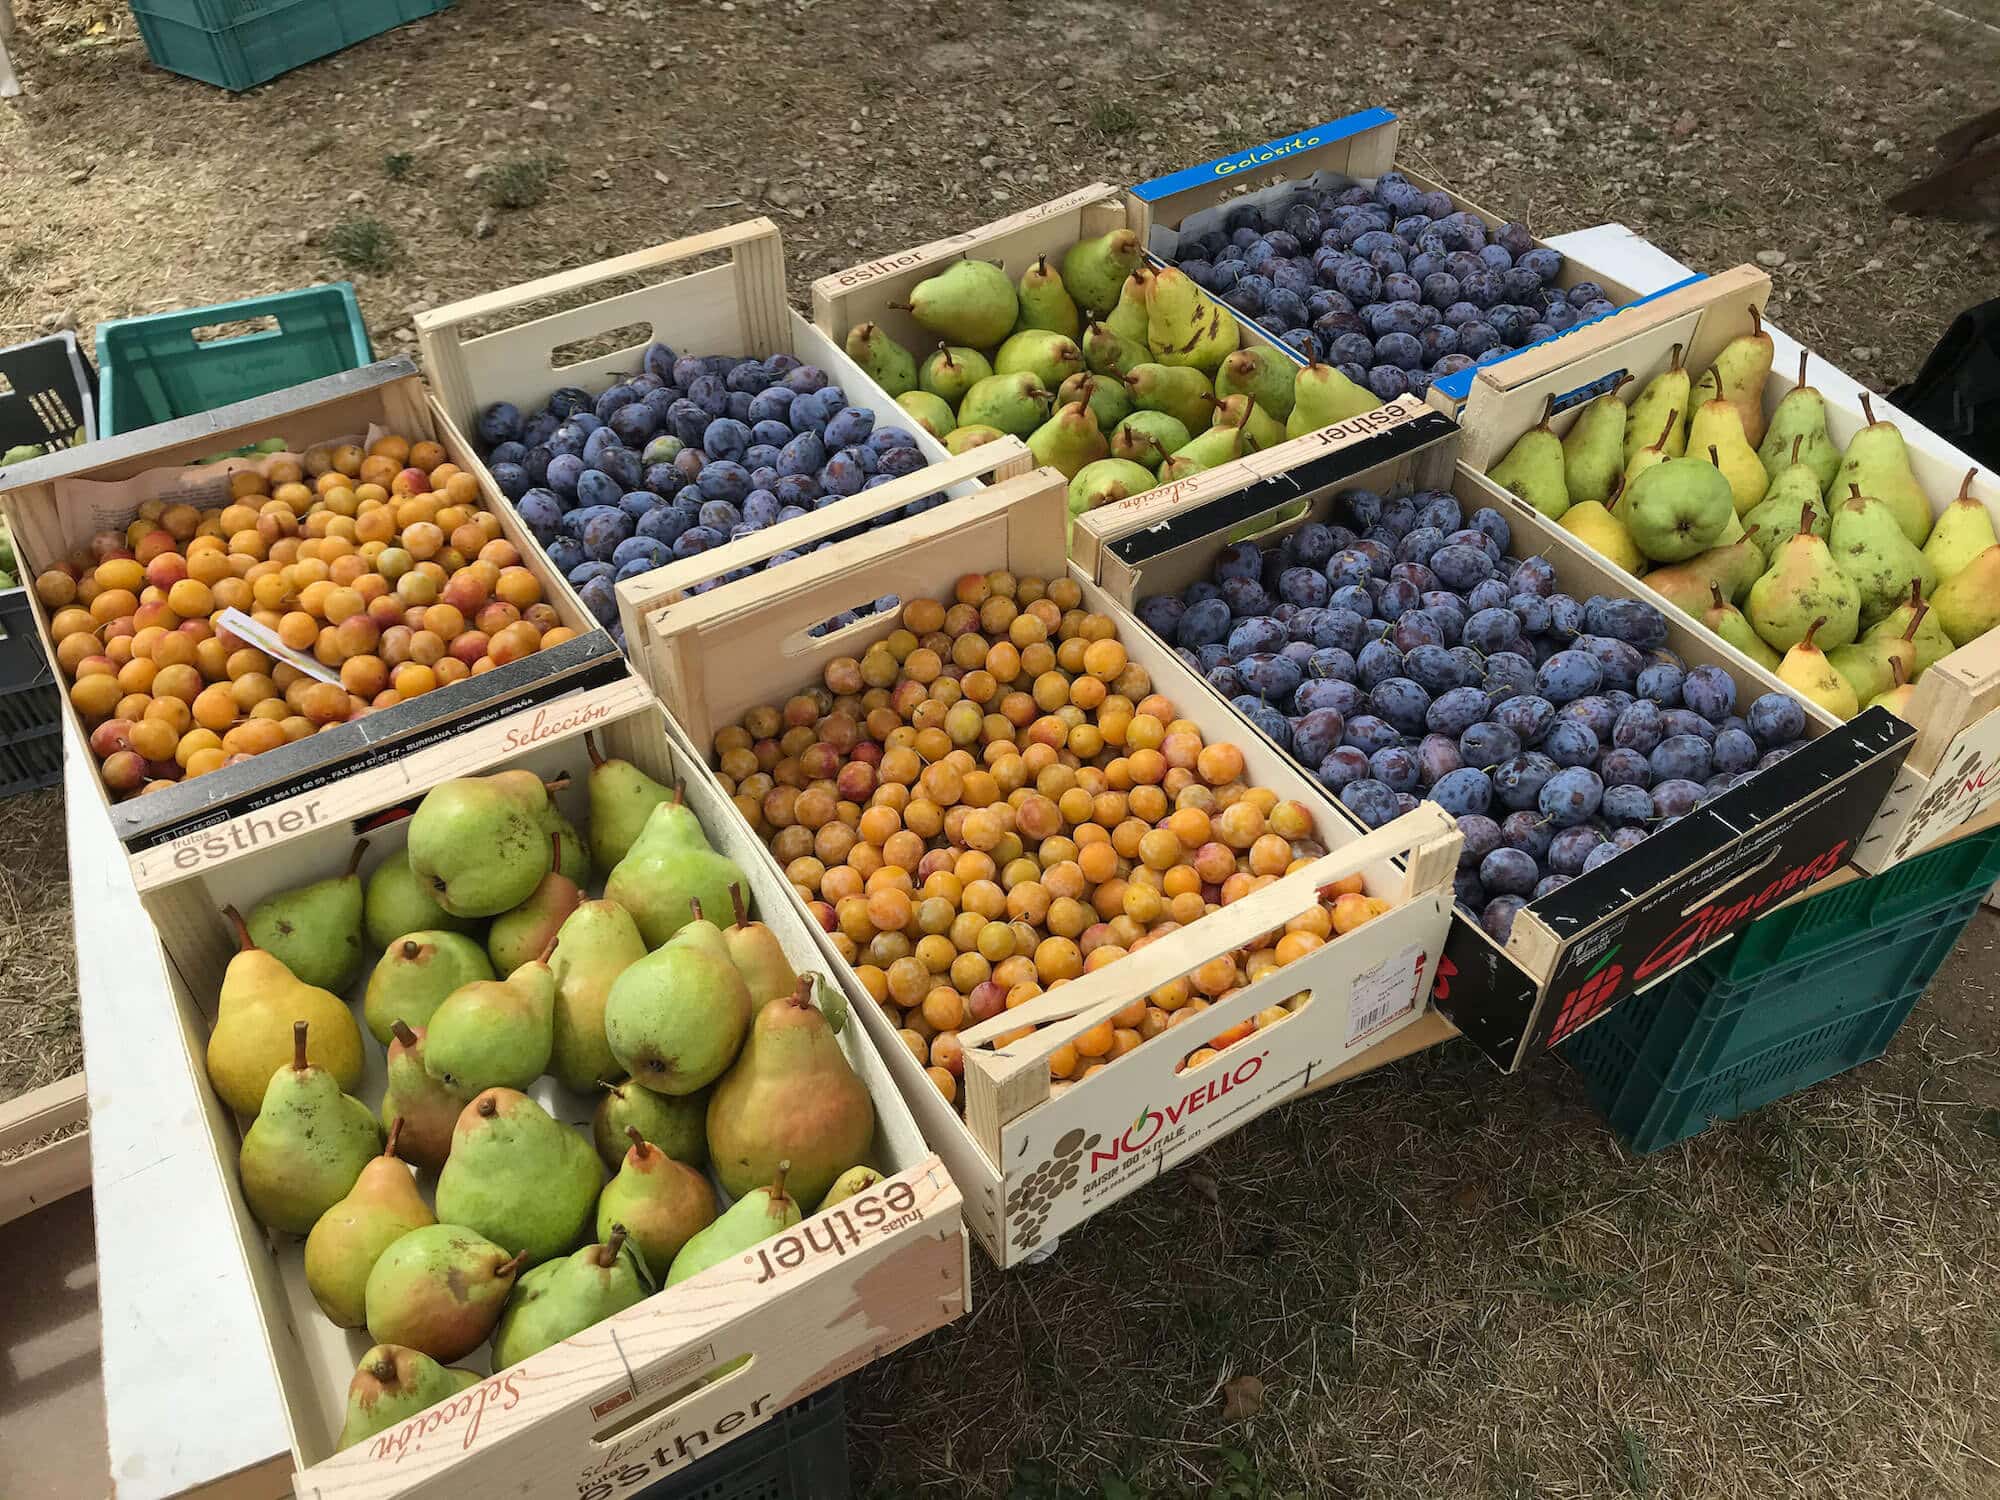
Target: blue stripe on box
[
  {"x": 1458, "y": 385},
  {"x": 1254, "y": 157}
]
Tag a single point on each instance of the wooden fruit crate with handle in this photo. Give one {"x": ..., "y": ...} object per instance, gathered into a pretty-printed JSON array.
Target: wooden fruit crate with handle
[
  {"x": 1035, "y": 1160},
  {"x": 506, "y": 346},
  {"x": 55, "y": 504},
  {"x": 1578, "y": 951},
  {"x": 1952, "y": 772},
  {"x": 643, "y": 1394}
]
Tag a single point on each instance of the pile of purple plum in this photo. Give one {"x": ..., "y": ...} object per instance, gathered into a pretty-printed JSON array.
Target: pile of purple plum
[
  {"x": 688, "y": 454},
  {"x": 1398, "y": 651},
  {"x": 1388, "y": 284}
]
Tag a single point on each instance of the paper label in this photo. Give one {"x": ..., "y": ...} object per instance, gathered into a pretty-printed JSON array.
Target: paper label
[
  {"x": 1966, "y": 781},
  {"x": 1389, "y": 990},
  {"x": 248, "y": 630}
]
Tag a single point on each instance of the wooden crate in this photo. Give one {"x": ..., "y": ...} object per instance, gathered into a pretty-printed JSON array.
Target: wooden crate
[
  {"x": 714, "y": 659},
  {"x": 32, "y": 1178},
  {"x": 735, "y": 309},
  {"x": 52, "y": 507},
  {"x": 640, "y": 1395},
  {"x": 1356, "y": 148},
  {"x": 1580, "y": 950},
  {"x": 1952, "y": 771}
]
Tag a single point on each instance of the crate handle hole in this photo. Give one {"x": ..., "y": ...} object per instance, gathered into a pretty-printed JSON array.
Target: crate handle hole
[
  {"x": 240, "y": 328},
  {"x": 627, "y": 337},
  {"x": 872, "y": 619},
  {"x": 1221, "y": 1055},
  {"x": 1264, "y": 525},
  {"x": 1730, "y": 884},
  {"x": 657, "y": 1410}
]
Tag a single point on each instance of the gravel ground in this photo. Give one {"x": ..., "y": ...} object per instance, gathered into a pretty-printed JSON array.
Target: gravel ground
[{"x": 1447, "y": 1283}]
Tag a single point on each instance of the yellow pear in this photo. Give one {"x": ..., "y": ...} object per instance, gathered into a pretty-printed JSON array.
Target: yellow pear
[
  {"x": 1807, "y": 672},
  {"x": 1717, "y": 433},
  {"x": 261, "y": 1001},
  {"x": 1597, "y": 526}
]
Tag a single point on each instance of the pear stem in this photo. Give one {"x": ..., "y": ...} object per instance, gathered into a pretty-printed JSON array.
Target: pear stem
[
  {"x": 1715, "y": 592},
  {"x": 802, "y": 996},
  {"x": 1715, "y": 458},
  {"x": 395, "y": 1129},
  {"x": 487, "y": 1106},
  {"x": 1917, "y": 614},
  {"x": 544, "y": 955},
  {"x": 1666, "y": 431},
  {"x": 1805, "y": 516},
  {"x": 1853, "y": 491},
  {"x": 411, "y": 948},
  {"x": 677, "y": 797},
  {"x": 1674, "y": 359},
  {"x": 1802, "y": 367},
  {"x": 694, "y": 909},
  {"x": 590, "y": 749},
  {"x": 607, "y": 1253},
  {"x": 403, "y": 1034},
  {"x": 641, "y": 1147},
  {"x": 736, "y": 900},
  {"x": 1811, "y": 631},
  {"x": 511, "y": 1267},
  {"x": 1548, "y": 409},
  {"x": 1796, "y": 443},
  {"x": 1916, "y": 593},
  {"x": 354, "y": 859},
  {"x": 557, "y": 785},
  {"x": 1617, "y": 492},
  {"x": 1867, "y": 409},
  {"x": 299, "y": 1063},
  {"x": 238, "y": 926},
  {"x": 1756, "y": 322},
  {"x": 384, "y": 1370},
  {"x": 555, "y": 851},
  {"x": 778, "y": 1182},
  {"x": 1965, "y": 484},
  {"x": 1896, "y": 670}
]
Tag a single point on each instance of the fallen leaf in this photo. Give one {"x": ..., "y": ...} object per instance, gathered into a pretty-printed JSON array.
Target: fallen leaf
[{"x": 1242, "y": 1398}]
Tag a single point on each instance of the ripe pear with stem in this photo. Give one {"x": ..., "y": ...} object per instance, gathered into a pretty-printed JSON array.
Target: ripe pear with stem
[
  {"x": 1877, "y": 461},
  {"x": 1741, "y": 368},
  {"x": 1533, "y": 467},
  {"x": 1794, "y": 491},
  {"x": 1667, "y": 395},
  {"x": 1806, "y": 671},
  {"x": 1729, "y": 622},
  {"x": 661, "y": 1203},
  {"x": 393, "y": 1384},
  {"x": 307, "y": 1146},
  {"x": 1798, "y": 435},
  {"x": 1870, "y": 666},
  {"x": 316, "y": 930},
  {"x": 622, "y": 797},
  {"x": 1963, "y": 530},
  {"x": 259, "y": 1006},
  {"x": 381, "y": 1207},
  {"x": 1594, "y": 447}
]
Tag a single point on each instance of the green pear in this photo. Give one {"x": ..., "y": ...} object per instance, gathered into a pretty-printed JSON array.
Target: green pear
[
  {"x": 1262, "y": 374},
  {"x": 1878, "y": 462},
  {"x": 965, "y": 439},
  {"x": 426, "y": 1108},
  {"x": 1717, "y": 434},
  {"x": 597, "y": 942},
  {"x": 950, "y": 372},
  {"x": 521, "y": 935},
  {"x": 1653, "y": 453},
  {"x": 1732, "y": 565},
  {"x": 1128, "y": 316},
  {"x": 669, "y": 864},
  {"x": 1045, "y": 302},
  {"x": 1323, "y": 397},
  {"x": 1218, "y": 445},
  {"x": 564, "y": 1297},
  {"x": 1794, "y": 496},
  {"x": 1109, "y": 353},
  {"x": 932, "y": 413},
  {"x": 1094, "y": 270},
  {"x": 881, "y": 358},
  {"x": 308, "y": 1144},
  {"x": 391, "y": 1385},
  {"x": 622, "y": 798},
  {"x": 413, "y": 976},
  {"x": 1741, "y": 370},
  {"x": 790, "y": 1097},
  {"x": 396, "y": 903},
  {"x": 1898, "y": 700},
  {"x": 1148, "y": 438},
  {"x": 1108, "y": 401},
  {"x": 1187, "y": 327},
  {"x": 572, "y": 854},
  {"x": 1015, "y": 404},
  {"x": 1594, "y": 447},
  {"x": 676, "y": 1123},
  {"x": 1049, "y": 357},
  {"x": 381, "y": 1207},
  {"x": 315, "y": 930},
  {"x": 1963, "y": 530},
  {"x": 676, "y": 1018},
  {"x": 525, "y": 1181},
  {"x": 1678, "y": 509},
  {"x": 1919, "y": 622},
  {"x": 854, "y": 1180},
  {"x": 1967, "y": 603},
  {"x": 750, "y": 1220},
  {"x": 1797, "y": 434},
  {"x": 1873, "y": 667},
  {"x": 758, "y": 955},
  {"x": 657, "y": 1201},
  {"x": 1803, "y": 585},
  {"x": 1729, "y": 622},
  {"x": 969, "y": 302},
  {"x": 1533, "y": 469},
  {"x": 477, "y": 844},
  {"x": 1183, "y": 394},
  {"x": 1260, "y": 429},
  {"x": 1871, "y": 549},
  {"x": 1107, "y": 480},
  {"x": 1658, "y": 413},
  {"x": 1068, "y": 440},
  {"x": 494, "y": 1032},
  {"x": 439, "y": 1290}
]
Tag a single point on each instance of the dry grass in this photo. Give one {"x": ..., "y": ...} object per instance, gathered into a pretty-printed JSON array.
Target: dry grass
[{"x": 38, "y": 1015}]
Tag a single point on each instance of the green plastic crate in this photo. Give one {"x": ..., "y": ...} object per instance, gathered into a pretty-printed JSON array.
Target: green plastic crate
[
  {"x": 800, "y": 1454},
  {"x": 154, "y": 369},
  {"x": 1804, "y": 994},
  {"x": 238, "y": 44}
]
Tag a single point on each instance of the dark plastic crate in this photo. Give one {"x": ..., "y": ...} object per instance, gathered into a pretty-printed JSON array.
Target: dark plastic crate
[
  {"x": 238, "y": 44},
  {"x": 30, "y": 699},
  {"x": 46, "y": 393},
  {"x": 154, "y": 369},
  {"x": 800, "y": 1454},
  {"x": 1804, "y": 994},
  {"x": 29, "y": 764}
]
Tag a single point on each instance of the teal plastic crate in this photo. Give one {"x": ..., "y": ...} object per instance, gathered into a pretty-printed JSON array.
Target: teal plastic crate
[
  {"x": 155, "y": 368},
  {"x": 800, "y": 1454},
  {"x": 1802, "y": 995},
  {"x": 238, "y": 44}
]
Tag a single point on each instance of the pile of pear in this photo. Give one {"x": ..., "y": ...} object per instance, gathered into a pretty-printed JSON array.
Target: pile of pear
[
  {"x": 463, "y": 1210},
  {"x": 1121, "y": 375},
  {"x": 1828, "y": 567}
]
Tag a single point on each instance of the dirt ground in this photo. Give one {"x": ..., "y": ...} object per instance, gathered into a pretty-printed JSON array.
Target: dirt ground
[{"x": 1448, "y": 1282}]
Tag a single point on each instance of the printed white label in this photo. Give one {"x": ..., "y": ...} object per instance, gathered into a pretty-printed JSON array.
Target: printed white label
[
  {"x": 1966, "y": 781},
  {"x": 1387, "y": 991},
  {"x": 244, "y": 628}
]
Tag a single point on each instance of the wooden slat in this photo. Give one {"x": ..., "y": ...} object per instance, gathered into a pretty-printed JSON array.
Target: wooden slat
[
  {"x": 39, "y": 1111},
  {"x": 44, "y": 1176}
]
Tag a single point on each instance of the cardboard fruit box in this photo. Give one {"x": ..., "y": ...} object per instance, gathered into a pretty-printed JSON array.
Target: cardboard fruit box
[
  {"x": 878, "y": 290},
  {"x": 1580, "y": 950},
  {"x": 1952, "y": 771},
  {"x": 1355, "y": 149},
  {"x": 1032, "y": 1159},
  {"x": 641, "y": 1395},
  {"x": 508, "y": 346},
  {"x": 55, "y": 504}
]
